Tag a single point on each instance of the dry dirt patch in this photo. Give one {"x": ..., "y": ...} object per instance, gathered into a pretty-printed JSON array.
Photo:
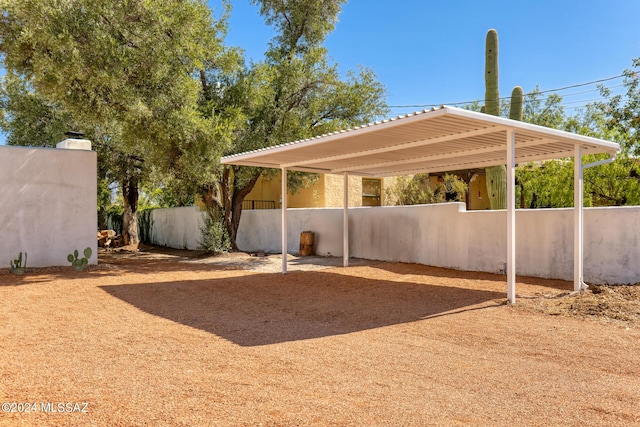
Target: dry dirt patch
[
  {"x": 168, "y": 338},
  {"x": 618, "y": 304}
]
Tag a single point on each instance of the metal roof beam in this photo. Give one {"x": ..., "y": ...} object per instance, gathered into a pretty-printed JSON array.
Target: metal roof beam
[
  {"x": 420, "y": 143},
  {"x": 438, "y": 168},
  {"x": 455, "y": 154}
]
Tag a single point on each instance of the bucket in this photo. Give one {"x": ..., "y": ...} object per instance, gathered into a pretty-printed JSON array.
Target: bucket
[{"x": 307, "y": 239}]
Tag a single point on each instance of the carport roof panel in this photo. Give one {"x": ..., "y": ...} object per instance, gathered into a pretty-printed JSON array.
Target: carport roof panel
[{"x": 438, "y": 140}]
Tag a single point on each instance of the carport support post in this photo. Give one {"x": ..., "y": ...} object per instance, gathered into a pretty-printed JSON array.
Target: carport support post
[
  {"x": 578, "y": 218},
  {"x": 284, "y": 220},
  {"x": 511, "y": 216},
  {"x": 345, "y": 222}
]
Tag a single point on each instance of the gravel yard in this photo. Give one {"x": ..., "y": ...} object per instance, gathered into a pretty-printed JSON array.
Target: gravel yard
[{"x": 163, "y": 338}]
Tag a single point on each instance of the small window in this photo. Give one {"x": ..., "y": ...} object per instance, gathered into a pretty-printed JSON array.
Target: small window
[{"x": 371, "y": 191}]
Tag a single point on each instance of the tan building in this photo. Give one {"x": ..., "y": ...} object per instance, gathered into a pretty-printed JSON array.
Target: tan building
[{"x": 328, "y": 192}]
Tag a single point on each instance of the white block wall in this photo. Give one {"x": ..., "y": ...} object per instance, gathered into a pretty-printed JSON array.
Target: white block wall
[
  {"x": 177, "y": 227},
  {"x": 48, "y": 200},
  {"x": 447, "y": 235}
]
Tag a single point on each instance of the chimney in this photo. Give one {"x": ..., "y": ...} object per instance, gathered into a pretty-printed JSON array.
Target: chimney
[{"x": 74, "y": 141}]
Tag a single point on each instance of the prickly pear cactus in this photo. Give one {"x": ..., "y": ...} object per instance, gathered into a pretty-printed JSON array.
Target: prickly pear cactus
[{"x": 79, "y": 264}]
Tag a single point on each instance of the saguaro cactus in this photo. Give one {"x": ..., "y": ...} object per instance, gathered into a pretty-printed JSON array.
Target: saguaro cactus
[
  {"x": 517, "y": 99},
  {"x": 497, "y": 175},
  {"x": 491, "y": 93}
]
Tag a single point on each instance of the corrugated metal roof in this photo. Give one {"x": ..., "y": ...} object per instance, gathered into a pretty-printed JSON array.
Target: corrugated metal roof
[{"x": 437, "y": 140}]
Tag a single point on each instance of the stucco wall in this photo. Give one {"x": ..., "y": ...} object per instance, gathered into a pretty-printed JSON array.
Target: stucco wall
[
  {"x": 447, "y": 235},
  {"x": 47, "y": 204},
  {"x": 327, "y": 192},
  {"x": 334, "y": 190},
  {"x": 177, "y": 227}
]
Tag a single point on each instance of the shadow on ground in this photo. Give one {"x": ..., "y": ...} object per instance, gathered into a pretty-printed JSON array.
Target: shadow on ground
[
  {"x": 426, "y": 270},
  {"x": 262, "y": 309}
]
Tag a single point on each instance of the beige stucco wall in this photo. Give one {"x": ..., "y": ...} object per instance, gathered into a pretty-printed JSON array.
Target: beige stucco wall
[
  {"x": 309, "y": 197},
  {"x": 266, "y": 188},
  {"x": 334, "y": 190},
  {"x": 478, "y": 196},
  {"x": 327, "y": 192},
  {"x": 48, "y": 202}
]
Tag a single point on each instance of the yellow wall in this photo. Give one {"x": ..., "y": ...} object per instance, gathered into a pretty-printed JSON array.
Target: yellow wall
[
  {"x": 334, "y": 191},
  {"x": 478, "y": 198},
  {"x": 266, "y": 189},
  {"x": 328, "y": 192},
  {"x": 310, "y": 197}
]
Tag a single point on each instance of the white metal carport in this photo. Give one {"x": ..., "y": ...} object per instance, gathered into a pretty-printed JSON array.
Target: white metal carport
[{"x": 438, "y": 140}]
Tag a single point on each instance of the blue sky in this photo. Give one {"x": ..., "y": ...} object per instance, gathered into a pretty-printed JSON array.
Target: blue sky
[{"x": 432, "y": 52}]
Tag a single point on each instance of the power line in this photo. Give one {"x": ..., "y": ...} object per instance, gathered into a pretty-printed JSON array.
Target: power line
[
  {"x": 586, "y": 91},
  {"x": 580, "y": 84},
  {"x": 508, "y": 97}
]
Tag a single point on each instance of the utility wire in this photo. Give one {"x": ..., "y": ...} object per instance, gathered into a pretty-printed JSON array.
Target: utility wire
[
  {"x": 508, "y": 97},
  {"x": 580, "y": 84},
  {"x": 585, "y": 91}
]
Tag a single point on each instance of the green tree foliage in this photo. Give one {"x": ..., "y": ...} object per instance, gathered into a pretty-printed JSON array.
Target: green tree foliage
[
  {"x": 545, "y": 184},
  {"x": 27, "y": 118},
  {"x": 623, "y": 111},
  {"x": 415, "y": 190},
  {"x": 550, "y": 183},
  {"x": 105, "y": 62},
  {"x": 547, "y": 112},
  {"x": 294, "y": 93}
]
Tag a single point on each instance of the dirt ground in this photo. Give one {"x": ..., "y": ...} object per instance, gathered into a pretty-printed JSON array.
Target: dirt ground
[{"x": 171, "y": 338}]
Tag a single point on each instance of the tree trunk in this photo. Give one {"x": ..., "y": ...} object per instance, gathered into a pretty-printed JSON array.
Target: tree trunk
[
  {"x": 232, "y": 198},
  {"x": 129, "y": 217}
]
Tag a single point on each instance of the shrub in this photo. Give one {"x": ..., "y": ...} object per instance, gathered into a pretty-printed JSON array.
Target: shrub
[{"x": 214, "y": 238}]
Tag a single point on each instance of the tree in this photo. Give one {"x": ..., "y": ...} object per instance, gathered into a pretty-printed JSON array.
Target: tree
[
  {"x": 623, "y": 111},
  {"x": 415, "y": 190},
  {"x": 544, "y": 184},
  {"x": 549, "y": 113},
  {"x": 126, "y": 72},
  {"x": 27, "y": 118},
  {"x": 294, "y": 93},
  {"x": 550, "y": 183}
]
